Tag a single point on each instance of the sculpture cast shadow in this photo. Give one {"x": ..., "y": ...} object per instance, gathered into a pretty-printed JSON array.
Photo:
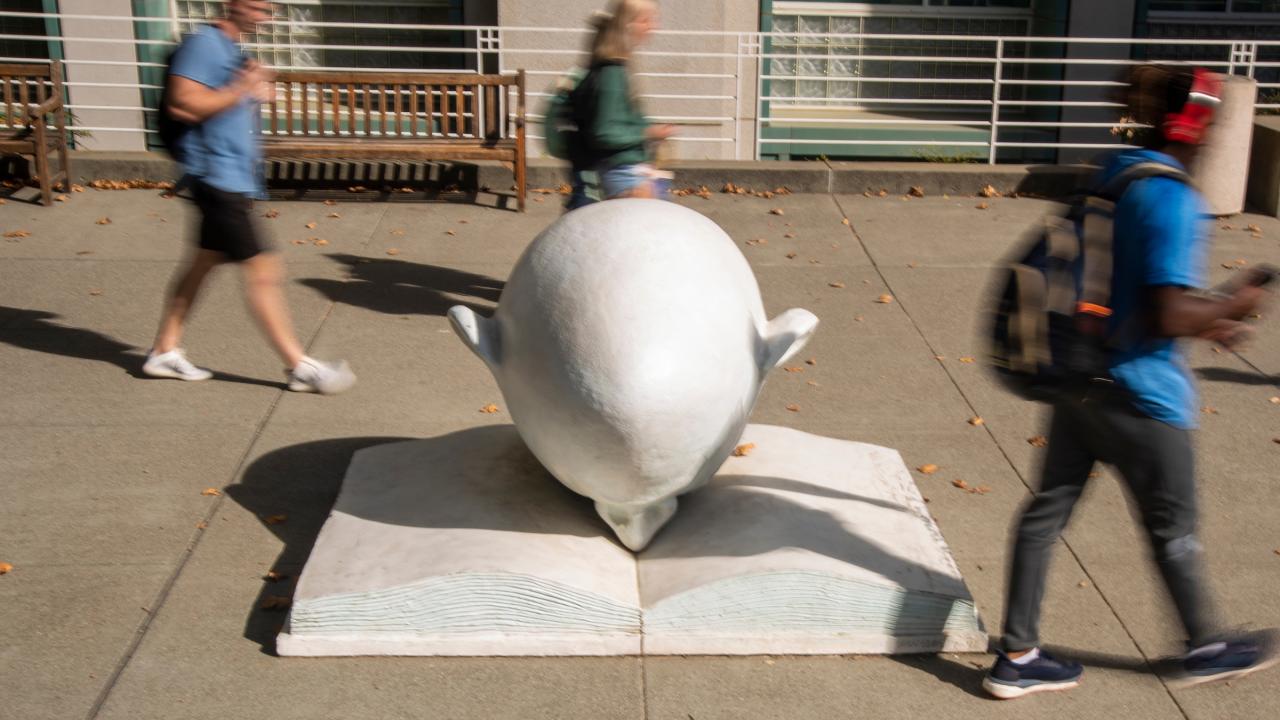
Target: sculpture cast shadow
[
  {"x": 400, "y": 287},
  {"x": 469, "y": 480}
]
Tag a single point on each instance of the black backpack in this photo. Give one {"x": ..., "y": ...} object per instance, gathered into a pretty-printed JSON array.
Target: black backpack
[{"x": 1049, "y": 331}]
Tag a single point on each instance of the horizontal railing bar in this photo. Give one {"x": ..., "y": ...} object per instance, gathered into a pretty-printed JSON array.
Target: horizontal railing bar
[{"x": 962, "y": 143}]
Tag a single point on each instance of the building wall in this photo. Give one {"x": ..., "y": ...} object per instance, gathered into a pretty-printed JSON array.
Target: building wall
[
  {"x": 1094, "y": 18},
  {"x": 116, "y": 97}
]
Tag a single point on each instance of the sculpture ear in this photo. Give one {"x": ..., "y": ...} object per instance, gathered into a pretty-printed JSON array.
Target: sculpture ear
[
  {"x": 478, "y": 332},
  {"x": 785, "y": 335}
]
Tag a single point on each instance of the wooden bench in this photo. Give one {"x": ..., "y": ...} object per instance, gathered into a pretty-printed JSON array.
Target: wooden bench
[
  {"x": 32, "y": 94},
  {"x": 399, "y": 115}
]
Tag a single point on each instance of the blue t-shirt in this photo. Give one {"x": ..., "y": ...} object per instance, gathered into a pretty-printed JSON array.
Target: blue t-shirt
[
  {"x": 1160, "y": 240},
  {"x": 222, "y": 151}
]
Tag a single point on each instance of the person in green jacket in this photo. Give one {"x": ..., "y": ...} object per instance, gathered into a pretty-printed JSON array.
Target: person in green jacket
[{"x": 614, "y": 137}]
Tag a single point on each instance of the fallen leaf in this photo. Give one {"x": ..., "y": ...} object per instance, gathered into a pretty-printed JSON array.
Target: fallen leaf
[
  {"x": 988, "y": 191},
  {"x": 102, "y": 221},
  {"x": 298, "y": 242},
  {"x": 6, "y": 568},
  {"x": 975, "y": 420},
  {"x": 960, "y": 484},
  {"x": 867, "y": 193},
  {"x": 310, "y": 226},
  {"x": 758, "y": 241},
  {"x": 1228, "y": 226},
  {"x": 356, "y": 188},
  {"x": 981, "y": 206},
  {"x": 275, "y": 519},
  {"x": 1254, "y": 228},
  {"x": 793, "y": 407},
  {"x": 450, "y": 232},
  {"x": 489, "y": 409},
  {"x": 1208, "y": 410},
  {"x": 84, "y": 252},
  {"x": 789, "y": 235},
  {"x": 913, "y": 265},
  {"x": 1228, "y": 266},
  {"x": 271, "y": 214},
  {"x": 1083, "y": 584},
  {"x": 397, "y": 231},
  {"x": 275, "y": 602},
  {"x": 916, "y": 191},
  {"x": 844, "y": 221},
  {"x": 835, "y": 284},
  {"x": 777, "y": 211},
  {"x": 393, "y": 251},
  {"x": 18, "y": 234},
  {"x": 744, "y": 449},
  {"x": 814, "y": 384},
  {"x": 811, "y": 361},
  {"x": 815, "y": 262},
  {"x": 60, "y": 198},
  {"x": 928, "y": 469},
  {"x": 967, "y": 360},
  {"x": 463, "y": 222},
  {"x": 884, "y": 299},
  {"x": 793, "y": 369},
  {"x": 791, "y": 256},
  {"x": 981, "y": 490},
  {"x": 273, "y": 576},
  {"x": 211, "y": 492},
  {"x": 1037, "y": 441},
  {"x": 1274, "y": 399},
  {"x": 202, "y": 525},
  {"x": 330, "y": 202},
  {"x": 95, "y": 292},
  {"x": 334, "y": 215},
  {"x": 77, "y": 188},
  {"x": 320, "y": 241},
  {"x": 883, "y": 192},
  {"x": 858, "y": 318}
]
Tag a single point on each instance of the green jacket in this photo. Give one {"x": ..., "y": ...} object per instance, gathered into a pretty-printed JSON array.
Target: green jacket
[{"x": 611, "y": 129}]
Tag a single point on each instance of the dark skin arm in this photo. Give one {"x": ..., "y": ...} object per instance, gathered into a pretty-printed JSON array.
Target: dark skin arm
[{"x": 1177, "y": 312}]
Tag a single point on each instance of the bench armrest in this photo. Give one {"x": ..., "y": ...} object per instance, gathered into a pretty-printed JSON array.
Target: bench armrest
[{"x": 48, "y": 106}]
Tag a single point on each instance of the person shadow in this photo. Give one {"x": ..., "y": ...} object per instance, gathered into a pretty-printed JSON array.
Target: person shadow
[
  {"x": 486, "y": 478},
  {"x": 37, "y": 331},
  {"x": 400, "y": 287}
]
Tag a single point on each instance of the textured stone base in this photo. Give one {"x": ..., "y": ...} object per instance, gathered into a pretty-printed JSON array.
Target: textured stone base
[{"x": 463, "y": 545}]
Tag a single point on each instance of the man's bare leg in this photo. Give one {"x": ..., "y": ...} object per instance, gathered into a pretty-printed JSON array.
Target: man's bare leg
[
  {"x": 183, "y": 297},
  {"x": 264, "y": 289}
]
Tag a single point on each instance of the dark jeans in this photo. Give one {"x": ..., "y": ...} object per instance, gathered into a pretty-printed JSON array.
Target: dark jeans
[{"x": 1156, "y": 462}]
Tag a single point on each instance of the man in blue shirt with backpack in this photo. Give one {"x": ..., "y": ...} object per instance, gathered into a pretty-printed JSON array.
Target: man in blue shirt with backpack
[
  {"x": 1139, "y": 417},
  {"x": 211, "y": 118}
]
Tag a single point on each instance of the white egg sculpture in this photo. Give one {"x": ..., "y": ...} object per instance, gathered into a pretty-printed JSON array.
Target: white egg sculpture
[{"x": 630, "y": 344}]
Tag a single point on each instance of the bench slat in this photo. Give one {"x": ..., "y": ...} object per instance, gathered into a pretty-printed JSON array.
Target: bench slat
[{"x": 373, "y": 76}]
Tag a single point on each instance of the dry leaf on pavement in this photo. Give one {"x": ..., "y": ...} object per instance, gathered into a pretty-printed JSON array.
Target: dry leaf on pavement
[
  {"x": 1083, "y": 584},
  {"x": 310, "y": 226},
  {"x": 811, "y": 361},
  {"x": 489, "y": 409},
  {"x": 331, "y": 202},
  {"x": 18, "y": 234},
  {"x": 988, "y": 191},
  {"x": 744, "y": 449},
  {"x": 791, "y": 256},
  {"x": 275, "y": 519},
  {"x": 884, "y": 299},
  {"x": 84, "y": 252},
  {"x": 844, "y": 221},
  {"x": 271, "y": 214},
  {"x": 1037, "y": 441},
  {"x": 95, "y": 292},
  {"x": 793, "y": 369},
  {"x": 793, "y": 407},
  {"x": 982, "y": 206},
  {"x": 960, "y": 484},
  {"x": 811, "y": 382},
  {"x": 102, "y": 221},
  {"x": 60, "y": 198},
  {"x": 334, "y": 215},
  {"x": 1274, "y": 399},
  {"x": 967, "y": 360},
  {"x": 975, "y": 420},
  {"x": 1208, "y": 410},
  {"x": 836, "y": 285},
  {"x": 393, "y": 251},
  {"x": 211, "y": 492},
  {"x": 777, "y": 211},
  {"x": 757, "y": 241},
  {"x": 320, "y": 241},
  {"x": 450, "y": 232},
  {"x": 928, "y": 469},
  {"x": 275, "y": 602},
  {"x": 916, "y": 191},
  {"x": 397, "y": 231},
  {"x": 5, "y": 568},
  {"x": 202, "y": 525},
  {"x": 298, "y": 242}
]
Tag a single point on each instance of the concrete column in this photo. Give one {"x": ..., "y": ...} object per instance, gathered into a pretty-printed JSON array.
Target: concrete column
[
  {"x": 1222, "y": 169},
  {"x": 1093, "y": 18},
  {"x": 78, "y": 46}
]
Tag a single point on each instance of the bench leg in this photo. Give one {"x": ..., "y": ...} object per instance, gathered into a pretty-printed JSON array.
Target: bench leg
[
  {"x": 41, "y": 154},
  {"x": 64, "y": 164},
  {"x": 521, "y": 189}
]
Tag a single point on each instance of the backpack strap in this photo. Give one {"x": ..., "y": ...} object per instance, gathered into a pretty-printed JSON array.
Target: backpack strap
[{"x": 1098, "y": 229}]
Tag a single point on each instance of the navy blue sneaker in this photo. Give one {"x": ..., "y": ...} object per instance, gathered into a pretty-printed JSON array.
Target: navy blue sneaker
[
  {"x": 1007, "y": 680},
  {"x": 1227, "y": 660}
]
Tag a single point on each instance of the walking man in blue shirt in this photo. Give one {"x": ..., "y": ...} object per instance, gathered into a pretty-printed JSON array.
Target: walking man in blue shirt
[
  {"x": 215, "y": 91},
  {"x": 1141, "y": 421}
]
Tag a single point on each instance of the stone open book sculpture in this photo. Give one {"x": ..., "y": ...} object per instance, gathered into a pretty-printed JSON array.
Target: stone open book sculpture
[{"x": 630, "y": 344}]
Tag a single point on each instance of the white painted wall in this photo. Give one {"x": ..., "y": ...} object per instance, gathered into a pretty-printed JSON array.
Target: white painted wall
[{"x": 122, "y": 97}]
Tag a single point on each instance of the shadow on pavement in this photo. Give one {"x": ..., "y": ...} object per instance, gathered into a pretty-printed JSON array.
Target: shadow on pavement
[
  {"x": 34, "y": 330},
  {"x": 399, "y": 287},
  {"x": 1242, "y": 377}
]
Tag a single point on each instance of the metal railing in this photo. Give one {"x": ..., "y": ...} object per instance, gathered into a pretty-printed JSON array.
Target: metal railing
[{"x": 743, "y": 95}]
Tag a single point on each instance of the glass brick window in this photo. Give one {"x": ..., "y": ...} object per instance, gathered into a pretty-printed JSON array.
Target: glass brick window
[
  {"x": 836, "y": 58},
  {"x": 289, "y": 41}
]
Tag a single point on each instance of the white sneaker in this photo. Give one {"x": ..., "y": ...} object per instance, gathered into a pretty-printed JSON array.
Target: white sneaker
[
  {"x": 173, "y": 364},
  {"x": 326, "y": 378}
]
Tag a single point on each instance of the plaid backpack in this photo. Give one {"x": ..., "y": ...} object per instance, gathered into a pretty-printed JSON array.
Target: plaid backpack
[{"x": 1050, "y": 327}]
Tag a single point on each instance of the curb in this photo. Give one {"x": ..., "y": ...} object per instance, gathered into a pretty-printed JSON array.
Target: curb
[{"x": 800, "y": 177}]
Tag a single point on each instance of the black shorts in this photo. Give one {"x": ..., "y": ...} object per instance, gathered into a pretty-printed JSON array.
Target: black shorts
[{"x": 226, "y": 222}]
